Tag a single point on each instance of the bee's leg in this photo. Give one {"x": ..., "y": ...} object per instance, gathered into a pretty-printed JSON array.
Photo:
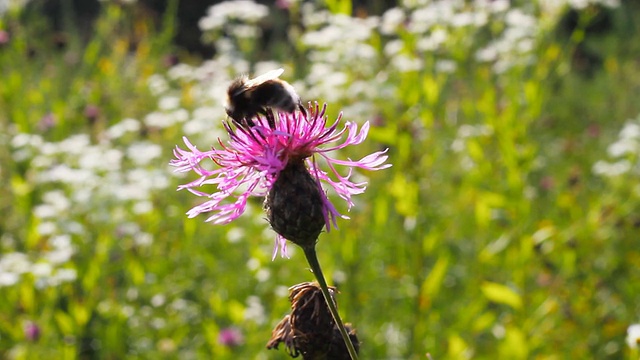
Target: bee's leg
[
  {"x": 236, "y": 122},
  {"x": 248, "y": 122},
  {"x": 303, "y": 110},
  {"x": 271, "y": 117}
]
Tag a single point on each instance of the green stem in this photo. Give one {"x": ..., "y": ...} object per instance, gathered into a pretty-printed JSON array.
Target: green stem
[{"x": 312, "y": 259}]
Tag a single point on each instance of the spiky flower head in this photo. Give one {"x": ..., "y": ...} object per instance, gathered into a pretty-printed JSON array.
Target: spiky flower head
[{"x": 278, "y": 157}]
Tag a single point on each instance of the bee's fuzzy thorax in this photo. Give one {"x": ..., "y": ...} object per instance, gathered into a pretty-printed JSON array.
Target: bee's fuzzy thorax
[
  {"x": 237, "y": 87},
  {"x": 248, "y": 98}
]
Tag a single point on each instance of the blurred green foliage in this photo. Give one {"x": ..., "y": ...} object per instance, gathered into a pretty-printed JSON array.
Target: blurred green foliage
[{"x": 490, "y": 237}]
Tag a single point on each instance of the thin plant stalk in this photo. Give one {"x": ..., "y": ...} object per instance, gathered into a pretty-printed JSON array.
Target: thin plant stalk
[{"x": 312, "y": 259}]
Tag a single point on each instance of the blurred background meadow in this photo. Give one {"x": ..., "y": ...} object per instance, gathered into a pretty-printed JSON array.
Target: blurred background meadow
[{"x": 507, "y": 228}]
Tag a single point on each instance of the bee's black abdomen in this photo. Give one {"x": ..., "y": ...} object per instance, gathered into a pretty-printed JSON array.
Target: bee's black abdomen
[{"x": 273, "y": 94}]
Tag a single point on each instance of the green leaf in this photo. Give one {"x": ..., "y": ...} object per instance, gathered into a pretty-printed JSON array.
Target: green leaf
[
  {"x": 27, "y": 297},
  {"x": 339, "y": 6},
  {"x": 432, "y": 283},
  {"x": 64, "y": 322},
  {"x": 514, "y": 345},
  {"x": 501, "y": 294},
  {"x": 80, "y": 311},
  {"x": 457, "y": 347},
  {"x": 136, "y": 271}
]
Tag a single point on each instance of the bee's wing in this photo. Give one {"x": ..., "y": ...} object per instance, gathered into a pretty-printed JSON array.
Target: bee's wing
[{"x": 270, "y": 75}]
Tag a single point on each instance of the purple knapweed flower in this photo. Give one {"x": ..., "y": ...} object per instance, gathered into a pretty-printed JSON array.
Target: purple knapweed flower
[
  {"x": 231, "y": 337},
  {"x": 47, "y": 122},
  {"x": 4, "y": 37},
  {"x": 91, "y": 112},
  {"x": 252, "y": 160},
  {"x": 31, "y": 331}
]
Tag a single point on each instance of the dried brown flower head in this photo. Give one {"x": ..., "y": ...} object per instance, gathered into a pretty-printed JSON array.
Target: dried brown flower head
[{"x": 310, "y": 330}]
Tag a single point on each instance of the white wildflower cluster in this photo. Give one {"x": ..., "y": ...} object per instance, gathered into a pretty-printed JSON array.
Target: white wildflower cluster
[
  {"x": 255, "y": 310},
  {"x": 46, "y": 269},
  {"x": 557, "y": 6},
  {"x": 93, "y": 176},
  {"x": 461, "y": 144},
  {"x": 169, "y": 111},
  {"x": 492, "y": 30},
  {"x": 84, "y": 183},
  {"x": 396, "y": 339},
  {"x": 207, "y": 89},
  {"x": 344, "y": 64},
  {"x": 235, "y": 17},
  {"x": 624, "y": 153},
  {"x": 6, "y": 5},
  {"x": 515, "y": 43},
  {"x": 154, "y": 314},
  {"x": 352, "y": 58},
  {"x": 633, "y": 336}
]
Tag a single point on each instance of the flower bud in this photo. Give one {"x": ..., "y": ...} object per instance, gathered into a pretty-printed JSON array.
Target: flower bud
[{"x": 294, "y": 205}]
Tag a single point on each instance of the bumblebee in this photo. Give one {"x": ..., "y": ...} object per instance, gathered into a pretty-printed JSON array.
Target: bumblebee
[{"x": 248, "y": 98}]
